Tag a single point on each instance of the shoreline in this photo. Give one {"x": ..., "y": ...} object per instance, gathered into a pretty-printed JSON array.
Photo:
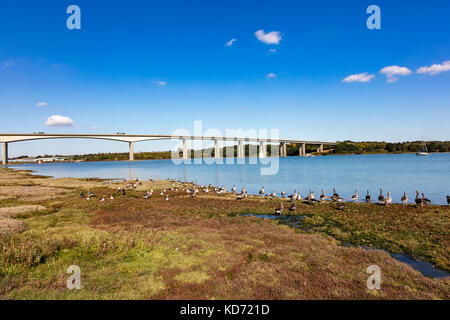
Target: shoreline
[{"x": 314, "y": 154}]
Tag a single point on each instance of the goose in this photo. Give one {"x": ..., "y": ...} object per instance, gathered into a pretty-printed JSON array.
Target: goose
[
  {"x": 118, "y": 189},
  {"x": 335, "y": 197},
  {"x": 146, "y": 196},
  {"x": 273, "y": 194},
  {"x": 292, "y": 207},
  {"x": 404, "y": 199},
  {"x": 293, "y": 196},
  {"x": 111, "y": 198},
  {"x": 233, "y": 190},
  {"x": 355, "y": 196},
  {"x": 242, "y": 195},
  {"x": 311, "y": 196},
  {"x": 368, "y": 197},
  {"x": 243, "y": 190},
  {"x": 194, "y": 193},
  {"x": 123, "y": 192},
  {"x": 167, "y": 197},
  {"x": 418, "y": 200},
  {"x": 102, "y": 198},
  {"x": 388, "y": 199},
  {"x": 261, "y": 192},
  {"x": 425, "y": 200},
  {"x": 282, "y": 193},
  {"x": 299, "y": 196},
  {"x": 81, "y": 195},
  {"x": 335, "y": 194},
  {"x": 448, "y": 200},
  {"x": 323, "y": 196},
  {"x": 279, "y": 210},
  {"x": 340, "y": 206},
  {"x": 381, "y": 197},
  {"x": 88, "y": 198}
]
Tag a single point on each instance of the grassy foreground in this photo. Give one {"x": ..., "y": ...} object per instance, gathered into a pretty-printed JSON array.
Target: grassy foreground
[{"x": 188, "y": 248}]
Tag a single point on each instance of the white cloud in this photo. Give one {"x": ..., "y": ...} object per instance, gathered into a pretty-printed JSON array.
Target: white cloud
[
  {"x": 272, "y": 37},
  {"x": 271, "y": 51},
  {"x": 392, "y": 72},
  {"x": 160, "y": 83},
  {"x": 359, "y": 77},
  {"x": 59, "y": 121},
  {"x": 230, "y": 43},
  {"x": 41, "y": 104},
  {"x": 435, "y": 68},
  {"x": 271, "y": 75},
  {"x": 10, "y": 63}
]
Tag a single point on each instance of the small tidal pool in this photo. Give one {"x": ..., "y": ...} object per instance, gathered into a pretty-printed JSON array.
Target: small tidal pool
[{"x": 424, "y": 267}]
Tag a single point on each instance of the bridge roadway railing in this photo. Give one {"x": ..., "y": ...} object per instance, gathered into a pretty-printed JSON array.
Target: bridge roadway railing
[{"x": 7, "y": 138}]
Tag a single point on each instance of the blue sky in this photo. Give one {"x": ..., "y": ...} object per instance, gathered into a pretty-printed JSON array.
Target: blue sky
[{"x": 156, "y": 66}]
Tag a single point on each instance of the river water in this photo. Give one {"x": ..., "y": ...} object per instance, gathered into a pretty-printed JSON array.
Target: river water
[{"x": 392, "y": 172}]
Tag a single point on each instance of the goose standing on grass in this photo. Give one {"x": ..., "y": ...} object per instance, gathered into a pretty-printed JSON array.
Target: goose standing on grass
[
  {"x": 404, "y": 199},
  {"x": 233, "y": 190},
  {"x": 425, "y": 200},
  {"x": 323, "y": 197},
  {"x": 279, "y": 210},
  {"x": 273, "y": 194},
  {"x": 167, "y": 197},
  {"x": 111, "y": 198},
  {"x": 299, "y": 196},
  {"x": 335, "y": 194},
  {"x": 261, "y": 192},
  {"x": 418, "y": 200},
  {"x": 123, "y": 191},
  {"x": 242, "y": 195},
  {"x": 368, "y": 197},
  {"x": 355, "y": 196},
  {"x": 311, "y": 196},
  {"x": 282, "y": 193},
  {"x": 381, "y": 197},
  {"x": 82, "y": 194},
  {"x": 293, "y": 196},
  {"x": 102, "y": 198},
  {"x": 292, "y": 207},
  {"x": 388, "y": 199},
  {"x": 244, "y": 191},
  {"x": 335, "y": 197}
]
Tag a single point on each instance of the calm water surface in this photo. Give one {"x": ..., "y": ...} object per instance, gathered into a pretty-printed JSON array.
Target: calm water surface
[{"x": 394, "y": 172}]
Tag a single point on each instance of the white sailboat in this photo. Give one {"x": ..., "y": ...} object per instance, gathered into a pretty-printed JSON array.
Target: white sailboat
[{"x": 423, "y": 150}]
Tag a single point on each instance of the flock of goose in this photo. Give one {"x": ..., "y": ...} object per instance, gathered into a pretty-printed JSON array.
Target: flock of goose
[{"x": 296, "y": 196}]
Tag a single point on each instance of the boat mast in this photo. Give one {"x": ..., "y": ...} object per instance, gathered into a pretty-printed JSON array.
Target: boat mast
[{"x": 424, "y": 146}]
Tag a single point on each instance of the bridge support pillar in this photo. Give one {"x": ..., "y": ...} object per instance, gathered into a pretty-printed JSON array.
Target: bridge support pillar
[
  {"x": 241, "y": 149},
  {"x": 302, "y": 150},
  {"x": 321, "y": 148},
  {"x": 262, "y": 149},
  {"x": 186, "y": 153},
  {"x": 5, "y": 153},
  {"x": 131, "y": 152},
  {"x": 283, "y": 151},
  {"x": 217, "y": 151}
]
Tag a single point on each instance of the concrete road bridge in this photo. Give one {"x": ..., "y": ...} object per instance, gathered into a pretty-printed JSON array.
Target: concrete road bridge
[{"x": 7, "y": 138}]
